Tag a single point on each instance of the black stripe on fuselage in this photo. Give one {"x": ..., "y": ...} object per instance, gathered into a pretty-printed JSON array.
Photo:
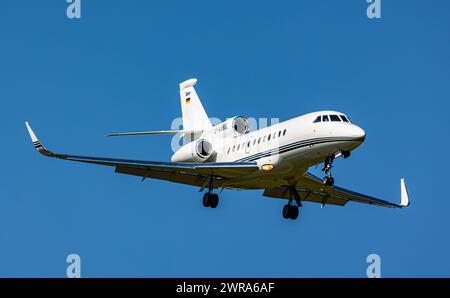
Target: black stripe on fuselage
[
  {"x": 284, "y": 146},
  {"x": 303, "y": 142},
  {"x": 293, "y": 146}
]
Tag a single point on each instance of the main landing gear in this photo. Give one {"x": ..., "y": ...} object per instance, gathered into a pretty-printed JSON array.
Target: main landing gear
[
  {"x": 210, "y": 199},
  {"x": 328, "y": 179},
  {"x": 291, "y": 211}
]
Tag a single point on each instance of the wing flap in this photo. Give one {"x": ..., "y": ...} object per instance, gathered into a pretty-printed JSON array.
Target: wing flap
[
  {"x": 172, "y": 176},
  {"x": 306, "y": 195}
]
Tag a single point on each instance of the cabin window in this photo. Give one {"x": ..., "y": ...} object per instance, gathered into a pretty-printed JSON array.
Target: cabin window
[
  {"x": 239, "y": 146},
  {"x": 344, "y": 118},
  {"x": 318, "y": 119},
  {"x": 259, "y": 140},
  {"x": 229, "y": 148},
  {"x": 248, "y": 144},
  {"x": 284, "y": 132},
  {"x": 234, "y": 147},
  {"x": 268, "y": 138},
  {"x": 325, "y": 118},
  {"x": 335, "y": 118},
  {"x": 254, "y": 142}
]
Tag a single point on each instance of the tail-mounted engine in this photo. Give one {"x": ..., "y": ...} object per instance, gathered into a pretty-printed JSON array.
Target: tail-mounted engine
[
  {"x": 197, "y": 151},
  {"x": 233, "y": 127}
]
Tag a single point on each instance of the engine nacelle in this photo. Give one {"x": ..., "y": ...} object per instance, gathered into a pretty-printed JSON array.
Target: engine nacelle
[
  {"x": 233, "y": 127},
  {"x": 196, "y": 151}
]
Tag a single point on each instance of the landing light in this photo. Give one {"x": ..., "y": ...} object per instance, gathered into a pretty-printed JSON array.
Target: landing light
[{"x": 267, "y": 167}]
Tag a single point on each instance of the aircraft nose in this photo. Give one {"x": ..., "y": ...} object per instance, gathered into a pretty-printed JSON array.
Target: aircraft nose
[{"x": 359, "y": 134}]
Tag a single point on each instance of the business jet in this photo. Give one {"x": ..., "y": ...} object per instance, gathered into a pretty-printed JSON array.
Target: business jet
[{"x": 275, "y": 159}]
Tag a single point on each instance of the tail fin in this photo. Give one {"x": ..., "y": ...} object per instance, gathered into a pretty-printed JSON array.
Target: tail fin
[{"x": 194, "y": 115}]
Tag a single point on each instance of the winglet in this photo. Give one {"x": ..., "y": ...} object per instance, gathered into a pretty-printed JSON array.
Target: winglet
[
  {"x": 404, "y": 202},
  {"x": 36, "y": 142}
]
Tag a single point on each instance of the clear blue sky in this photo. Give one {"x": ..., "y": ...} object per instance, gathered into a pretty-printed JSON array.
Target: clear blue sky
[{"x": 118, "y": 69}]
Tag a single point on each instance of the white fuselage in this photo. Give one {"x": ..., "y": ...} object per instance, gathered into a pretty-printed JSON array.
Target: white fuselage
[{"x": 290, "y": 147}]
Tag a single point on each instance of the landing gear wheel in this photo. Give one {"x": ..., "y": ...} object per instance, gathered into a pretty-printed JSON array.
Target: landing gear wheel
[
  {"x": 328, "y": 181},
  {"x": 210, "y": 200},
  {"x": 293, "y": 212},
  {"x": 206, "y": 201},
  {"x": 286, "y": 212},
  {"x": 290, "y": 212},
  {"x": 213, "y": 200}
]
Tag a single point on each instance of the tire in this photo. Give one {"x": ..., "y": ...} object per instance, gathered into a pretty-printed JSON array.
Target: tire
[
  {"x": 293, "y": 212},
  {"x": 286, "y": 212},
  {"x": 206, "y": 200},
  {"x": 331, "y": 181},
  {"x": 213, "y": 200},
  {"x": 328, "y": 181}
]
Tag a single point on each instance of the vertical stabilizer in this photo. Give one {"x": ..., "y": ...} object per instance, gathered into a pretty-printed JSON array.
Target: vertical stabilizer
[{"x": 194, "y": 115}]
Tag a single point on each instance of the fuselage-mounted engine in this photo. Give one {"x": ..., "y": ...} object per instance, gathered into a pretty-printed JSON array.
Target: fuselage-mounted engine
[
  {"x": 196, "y": 151},
  {"x": 233, "y": 127}
]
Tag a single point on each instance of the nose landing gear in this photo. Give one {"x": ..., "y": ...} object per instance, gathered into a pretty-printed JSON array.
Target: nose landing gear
[
  {"x": 328, "y": 179},
  {"x": 328, "y": 164}
]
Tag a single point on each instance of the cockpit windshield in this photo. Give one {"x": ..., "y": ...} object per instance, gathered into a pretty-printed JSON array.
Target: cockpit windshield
[
  {"x": 344, "y": 118},
  {"x": 332, "y": 118}
]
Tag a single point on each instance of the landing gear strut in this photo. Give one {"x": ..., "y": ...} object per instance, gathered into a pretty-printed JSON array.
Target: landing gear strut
[
  {"x": 210, "y": 199},
  {"x": 328, "y": 180},
  {"x": 291, "y": 211}
]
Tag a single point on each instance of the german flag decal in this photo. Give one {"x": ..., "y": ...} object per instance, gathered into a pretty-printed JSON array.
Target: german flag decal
[{"x": 188, "y": 99}]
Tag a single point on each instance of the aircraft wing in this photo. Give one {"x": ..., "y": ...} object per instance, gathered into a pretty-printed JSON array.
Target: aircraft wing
[
  {"x": 187, "y": 173},
  {"x": 311, "y": 188}
]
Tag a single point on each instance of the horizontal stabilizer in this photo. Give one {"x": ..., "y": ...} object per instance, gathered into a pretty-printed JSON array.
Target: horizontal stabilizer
[{"x": 156, "y": 132}]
